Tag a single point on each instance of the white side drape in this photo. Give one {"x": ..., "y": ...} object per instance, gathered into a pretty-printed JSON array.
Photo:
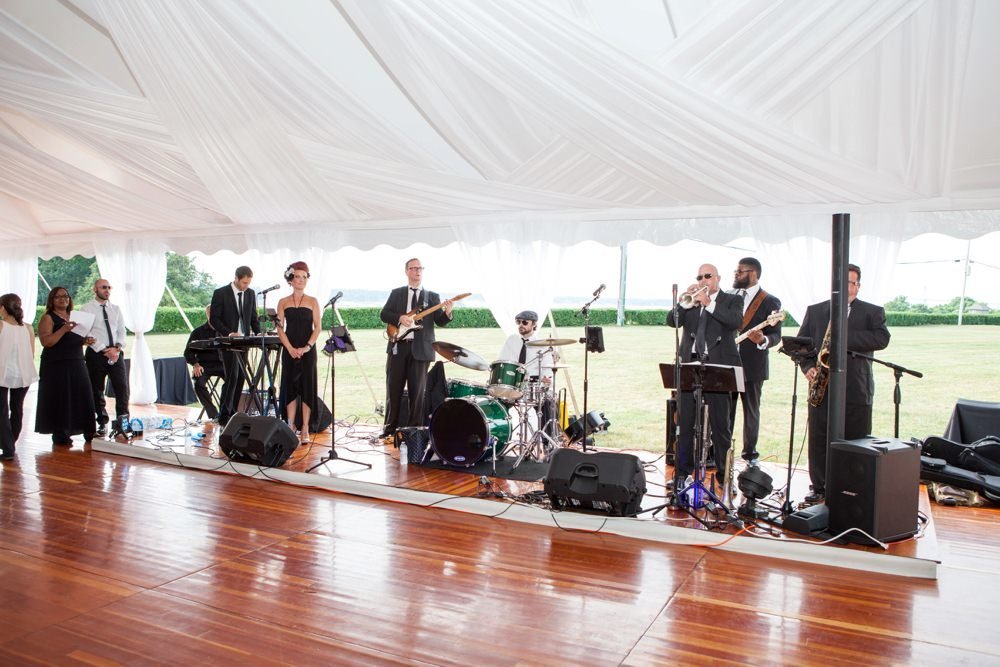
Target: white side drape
[
  {"x": 511, "y": 269},
  {"x": 137, "y": 270},
  {"x": 19, "y": 275}
]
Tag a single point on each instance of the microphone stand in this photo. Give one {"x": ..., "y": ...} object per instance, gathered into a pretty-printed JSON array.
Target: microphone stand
[
  {"x": 797, "y": 356},
  {"x": 331, "y": 369},
  {"x": 677, "y": 383},
  {"x": 897, "y": 394},
  {"x": 271, "y": 402},
  {"x": 585, "y": 311}
]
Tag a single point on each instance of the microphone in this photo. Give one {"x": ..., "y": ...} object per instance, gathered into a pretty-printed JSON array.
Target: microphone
[
  {"x": 333, "y": 299},
  {"x": 600, "y": 289},
  {"x": 270, "y": 289}
]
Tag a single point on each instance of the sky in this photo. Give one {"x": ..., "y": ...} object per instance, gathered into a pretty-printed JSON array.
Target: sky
[{"x": 929, "y": 269}]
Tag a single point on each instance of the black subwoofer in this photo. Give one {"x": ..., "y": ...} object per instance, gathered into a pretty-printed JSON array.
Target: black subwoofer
[
  {"x": 874, "y": 485},
  {"x": 266, "y": 441},
  {"x": 607, "y": 481}
]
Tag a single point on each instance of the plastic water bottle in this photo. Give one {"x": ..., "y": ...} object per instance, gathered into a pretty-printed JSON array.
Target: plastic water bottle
[
  {"x": 136, "y": 427},
  {"x": 404, "y": 458}
]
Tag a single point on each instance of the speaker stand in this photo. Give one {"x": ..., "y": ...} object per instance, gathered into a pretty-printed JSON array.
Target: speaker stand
[{"x": 331, "y": 374}]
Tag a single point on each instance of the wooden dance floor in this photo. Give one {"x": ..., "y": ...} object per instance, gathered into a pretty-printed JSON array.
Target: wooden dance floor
[{"x": 110, "y": 558}]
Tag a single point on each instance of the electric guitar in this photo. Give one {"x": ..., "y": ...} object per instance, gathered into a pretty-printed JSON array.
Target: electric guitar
[
  {"x": 395, "y": 334},
  {"x": 772, "y": 319}
]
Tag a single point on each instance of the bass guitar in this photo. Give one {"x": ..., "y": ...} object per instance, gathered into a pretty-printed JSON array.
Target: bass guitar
[
  {"x": 772, "y": 319},
  {"x": 396, "y": 334}
]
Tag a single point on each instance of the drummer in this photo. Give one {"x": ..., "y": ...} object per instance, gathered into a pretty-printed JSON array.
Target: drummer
[{"x": 515, "y": 348}]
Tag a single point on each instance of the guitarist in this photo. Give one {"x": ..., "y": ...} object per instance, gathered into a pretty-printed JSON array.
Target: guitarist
[
  {"x": 757, "y": 305},
  {"x": 410, "y": 355}
]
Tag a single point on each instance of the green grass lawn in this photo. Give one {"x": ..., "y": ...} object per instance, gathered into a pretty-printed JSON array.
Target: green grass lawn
[{"x": 625, "y": 381}]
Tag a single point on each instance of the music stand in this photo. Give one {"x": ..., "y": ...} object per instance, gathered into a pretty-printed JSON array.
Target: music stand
[
  {"x": 798, "y": 349},
  {"x": 698, "y": 377}
]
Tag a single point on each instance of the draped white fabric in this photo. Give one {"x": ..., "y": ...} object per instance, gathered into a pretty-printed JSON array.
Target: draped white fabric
[
  {"x": 137, "y": 271},
  {"x": 19, "y": 275},
  {"x": 511, "y": 271},
  {"x": 399, "y": 121}
]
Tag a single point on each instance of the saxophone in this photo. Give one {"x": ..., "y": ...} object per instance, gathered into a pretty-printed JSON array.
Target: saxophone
[{"x": 817, "y": 386}]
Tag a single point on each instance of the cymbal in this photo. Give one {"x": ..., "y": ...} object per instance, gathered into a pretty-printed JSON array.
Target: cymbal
[
  {"x": 557, "y": 366},
  {"x": 550, "y": 342},
  {"x": 461, "y": 356}
]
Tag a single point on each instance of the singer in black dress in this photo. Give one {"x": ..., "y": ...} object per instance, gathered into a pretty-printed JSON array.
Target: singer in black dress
[
  {"x": 65, "y": 401},
  {"x": 299, "y": 325}
]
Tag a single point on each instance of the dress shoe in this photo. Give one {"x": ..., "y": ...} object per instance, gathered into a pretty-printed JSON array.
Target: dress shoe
[
  {"x": 815, "y": 497},
  {"x": 102, "y": 430},
  {"x": 7, "y": 456}
]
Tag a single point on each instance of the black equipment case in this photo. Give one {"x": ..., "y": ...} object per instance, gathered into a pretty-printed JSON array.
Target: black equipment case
[{"x": 607, "y": 481}]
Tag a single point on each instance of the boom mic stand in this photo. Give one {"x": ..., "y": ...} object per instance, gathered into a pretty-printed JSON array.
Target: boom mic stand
[
  {"x": 587, "y": 349},
  {"x": 335, "y": 344},
  {"x": 897, "y": 395},
  {"x": 271, "y": 402}
]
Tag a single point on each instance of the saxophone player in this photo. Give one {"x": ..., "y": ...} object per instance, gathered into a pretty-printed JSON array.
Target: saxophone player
[{"x": 866, "y": 333}]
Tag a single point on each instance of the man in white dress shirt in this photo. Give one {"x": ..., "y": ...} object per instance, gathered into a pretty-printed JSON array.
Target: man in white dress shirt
[
  {"x": 106, "y": 356},
  {"x": 516, "y": 348}
]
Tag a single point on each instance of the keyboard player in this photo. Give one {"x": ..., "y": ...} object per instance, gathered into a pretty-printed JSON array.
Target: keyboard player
[
  {"x": 206, "y": 362},
  {"x": 234, "y": 313}
]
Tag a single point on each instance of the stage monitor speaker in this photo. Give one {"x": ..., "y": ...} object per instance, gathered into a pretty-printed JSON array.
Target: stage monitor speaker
[
  {"x": 607, "y": 481},
  {"x": 266, "y": 441},
  {"x": 873, "y": 484}
]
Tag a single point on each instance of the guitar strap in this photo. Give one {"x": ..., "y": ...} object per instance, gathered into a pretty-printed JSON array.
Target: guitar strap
[{"x": 752, "y": 310}]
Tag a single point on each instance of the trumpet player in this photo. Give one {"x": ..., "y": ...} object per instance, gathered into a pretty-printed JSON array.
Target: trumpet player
[
  {"x": 866, "y": 333},
  {"x": 709, "y": 318}
]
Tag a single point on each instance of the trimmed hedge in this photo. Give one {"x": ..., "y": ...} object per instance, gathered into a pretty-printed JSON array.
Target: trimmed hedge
[{"x": 169, "y": 320}]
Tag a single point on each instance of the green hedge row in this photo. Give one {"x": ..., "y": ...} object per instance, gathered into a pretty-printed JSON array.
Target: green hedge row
[{"x": 169, "y": 320}]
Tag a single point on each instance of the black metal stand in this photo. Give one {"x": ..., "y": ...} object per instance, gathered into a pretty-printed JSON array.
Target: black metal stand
[
  {"x": 331, "y": 370},
  {"x": 798, "y": 350},
  {"x": 587, "y": 349},
  {"x": 897, "y": 394}
]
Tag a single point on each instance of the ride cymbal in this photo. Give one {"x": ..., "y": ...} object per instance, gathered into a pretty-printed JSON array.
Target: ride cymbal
[{"x": 550, "y": 342}]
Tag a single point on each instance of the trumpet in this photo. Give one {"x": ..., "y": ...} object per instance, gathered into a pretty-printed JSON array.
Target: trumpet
[{"x": 687, "y": 300}]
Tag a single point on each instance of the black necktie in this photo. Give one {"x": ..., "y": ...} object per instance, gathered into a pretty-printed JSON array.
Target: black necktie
[
  {"x": 416, "y": 303},
  {"x": 700, "y": 347},
  {"x": 239, "y": 309},
  {"x": 107, "y": 325},
  {"x": 521, "y": 358}
]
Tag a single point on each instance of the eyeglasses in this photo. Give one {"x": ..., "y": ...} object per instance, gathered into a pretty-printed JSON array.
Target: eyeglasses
[
  {"x": 853, "y": 283},
  {"x": 704, "y": 276},
  {"x": 414, "y": 268},
  {"x": 525, "y": 322}
]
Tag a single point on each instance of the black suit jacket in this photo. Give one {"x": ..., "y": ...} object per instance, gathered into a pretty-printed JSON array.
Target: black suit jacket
[
  {"x": 720, "y": 330},
  {"x": 225, "y": 317},
  {"x": 193, "y": 356},
  {"x": 395, "y": 307},
  {"x": 866, "y": 332},
  {"x": 756, "y": 367}
]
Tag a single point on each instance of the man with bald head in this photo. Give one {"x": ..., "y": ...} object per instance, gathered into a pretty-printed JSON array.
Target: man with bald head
[
  {"x": 106, "y": 356},
  {"x": 709, "y": 335}
]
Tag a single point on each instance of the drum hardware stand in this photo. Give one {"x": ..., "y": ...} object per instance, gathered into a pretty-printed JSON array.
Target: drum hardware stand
[
  {"x": 593, "y": 341},
  {"x": 339, "y": 341},
  {"x": 535, "y": 446}
]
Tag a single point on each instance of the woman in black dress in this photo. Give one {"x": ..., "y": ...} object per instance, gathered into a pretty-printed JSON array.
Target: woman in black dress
[
  {"x": 65, "y": 400},
  {"x": 299, "y": 325}
]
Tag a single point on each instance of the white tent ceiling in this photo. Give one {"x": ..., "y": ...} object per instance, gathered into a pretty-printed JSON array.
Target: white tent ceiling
[{"x": 325, "y": 123}]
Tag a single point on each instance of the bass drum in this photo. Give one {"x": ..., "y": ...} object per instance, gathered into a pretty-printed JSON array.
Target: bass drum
[{"x": 463, "y": 430}]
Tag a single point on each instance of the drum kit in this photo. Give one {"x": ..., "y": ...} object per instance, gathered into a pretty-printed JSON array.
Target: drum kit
[{"x": 475, "y": 421}]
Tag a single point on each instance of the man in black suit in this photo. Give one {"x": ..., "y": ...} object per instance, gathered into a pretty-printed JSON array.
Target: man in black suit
[
  {"x": 709, "y": 336},
  {"x": 866, "y": 333},
  {"x": 234, "y": 313},
  {"x": 205, "y": 364},
  {"x": 757, "y": 305},
  {"x": 410, "y": 355}
]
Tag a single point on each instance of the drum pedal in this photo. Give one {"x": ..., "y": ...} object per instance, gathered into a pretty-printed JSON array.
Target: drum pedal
[{"x": 486, "y": 488}]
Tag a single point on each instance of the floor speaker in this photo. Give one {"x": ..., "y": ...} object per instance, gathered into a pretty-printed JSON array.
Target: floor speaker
[
  {"x": 874, "y": 485},
  {"x": 607, "y": 481},
  {"x": 266, "y": 441}
]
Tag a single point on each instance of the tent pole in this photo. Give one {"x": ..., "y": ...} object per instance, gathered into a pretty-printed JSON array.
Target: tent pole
[
  {"x": 622, "y": 274},
  {"x": 179, "y": 309}
]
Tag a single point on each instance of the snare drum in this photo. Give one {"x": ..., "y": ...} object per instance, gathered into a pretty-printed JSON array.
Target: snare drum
[
  {"x": 506, "y": 378},
  {"x": 535, "y": 391},
  {"x": 464, "y": 430},
  {"x": 458, "y": 388}
]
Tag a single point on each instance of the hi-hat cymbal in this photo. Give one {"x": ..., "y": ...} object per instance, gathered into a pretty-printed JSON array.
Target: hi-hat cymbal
[
  {"x": 557, "y": 367},
  {"x": 550, "y": 342},
  {"x": 461, "y": 356}
]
